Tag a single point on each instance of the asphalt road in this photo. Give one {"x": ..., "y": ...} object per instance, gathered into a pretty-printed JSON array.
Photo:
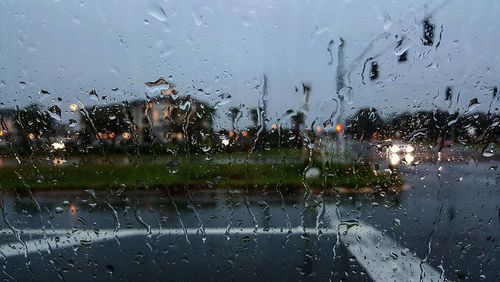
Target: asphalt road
[{"x": 445, "y": 226}]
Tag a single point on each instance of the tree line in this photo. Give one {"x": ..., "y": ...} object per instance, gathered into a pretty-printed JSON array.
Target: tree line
[{"x": 425, "y": 126}]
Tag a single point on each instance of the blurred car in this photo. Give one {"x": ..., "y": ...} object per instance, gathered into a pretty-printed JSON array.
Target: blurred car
[
  {"x": 397, "y": 152},
  {"x": 400, "y": 152}
]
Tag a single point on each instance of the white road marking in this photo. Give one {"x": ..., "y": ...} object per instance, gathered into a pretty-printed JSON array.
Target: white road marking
[
  {"x": 381, "y": 257},
  {"x": 68, "y": 238}
]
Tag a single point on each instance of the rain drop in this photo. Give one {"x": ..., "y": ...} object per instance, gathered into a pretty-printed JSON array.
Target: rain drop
[
  {"x": 72, "y": 123},
  {"x": 93, "y": 95},
  {"x": 474, "y": 102},
  {"x": 110, "y": 269},
  {"x": 158, "y": 82},
  {"x": 428, "y": 36},
  {"x": 54, "y": 112},
  {"x": 374, "y": 71},
  {"x": 489, "y": 150},
  {"x": 173, "y": 166},
  {"x": 159, "y": 14}
]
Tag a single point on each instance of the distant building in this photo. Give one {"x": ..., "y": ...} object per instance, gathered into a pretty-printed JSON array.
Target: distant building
[
  {"x": 31, "y": 128},
  {"x": 161, "y": 119}
]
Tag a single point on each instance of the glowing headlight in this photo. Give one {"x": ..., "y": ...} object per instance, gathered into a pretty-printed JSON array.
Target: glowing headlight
[
  {"x": 394, "y": 159},
  {"x": 409, "y": 158},
  {"x": 58, "y": 145},
  {"x": 409, "y": 149},
  {"x": 394, "y": 149},
  {"x": 58, "y": 161}
]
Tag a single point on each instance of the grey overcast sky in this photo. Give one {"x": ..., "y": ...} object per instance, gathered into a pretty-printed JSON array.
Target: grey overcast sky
[{"x": 68, "y": 47}]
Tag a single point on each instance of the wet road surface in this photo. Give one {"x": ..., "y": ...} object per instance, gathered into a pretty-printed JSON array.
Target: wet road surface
[{"x": 444, "y": 226}]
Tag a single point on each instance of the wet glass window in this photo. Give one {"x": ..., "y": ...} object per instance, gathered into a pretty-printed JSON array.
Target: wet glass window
[{"x": 249, "y": 140}]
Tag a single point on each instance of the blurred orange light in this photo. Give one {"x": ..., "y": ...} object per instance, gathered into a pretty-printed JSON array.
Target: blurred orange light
[
  {"x": 244, "y": 133},
  {"x": 274, "y": 126},
  {"x": 339, "y": 128},
  {"x": 73, "y": 209},
  {"x": 318, "y": 129},
  {"x": 58, "y": 161}
]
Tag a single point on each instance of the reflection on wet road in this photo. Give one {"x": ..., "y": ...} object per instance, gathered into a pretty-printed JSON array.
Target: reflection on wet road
[{"x": 443, "y": 227}]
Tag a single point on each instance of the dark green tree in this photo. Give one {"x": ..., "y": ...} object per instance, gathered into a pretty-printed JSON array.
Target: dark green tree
[
  {"x": 298, "y": 122},
  {"x": 364, "y": 123},
  {"x": 33, "y": 119},
  {"x": 106, "y": 119}
]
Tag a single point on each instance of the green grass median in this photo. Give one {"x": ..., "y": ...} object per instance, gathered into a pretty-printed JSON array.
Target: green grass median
[{"x": 187, "y": 174}]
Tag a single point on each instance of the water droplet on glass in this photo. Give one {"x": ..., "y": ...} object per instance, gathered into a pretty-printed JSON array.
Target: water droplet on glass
[
  {"x": 489, "y": 150},
  {"x": 374, "y": 71},
  {"x": 224, "y": 99},
  {"x": 54, "y": 112},
  {"x": 72, "y": 123},
  {"x": 91, "y": 192},
  {"x": 168, "y": 92},
  {"x": 93, "y": 95},
  {"x": 472, "y": 104},
  {"x": 198, "y": 20},
  {"x": 86, "y": 242},
  {"x": 387, "y": 22},
  {"x": 158, "y": 82},
  {"x": 185, "y": 105},
  {"x": 158, "y": 13},
  {"x": 448, "y": 94},
  {"x": 402, "y": 51},
  {"x": 110, "y": 269},
  {"x": 312, "y": 172},
  {"x": 428, "y": 36},
  {"x": 453, "y": 121},
  {"x": 403, "y": 57},
  {"x": 43, "y": 92},
  {"x": 173, "y": 166}
]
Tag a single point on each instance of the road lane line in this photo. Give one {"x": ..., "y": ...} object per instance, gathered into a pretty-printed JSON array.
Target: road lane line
[
  {"x": 64, "y": 238},
  {"x": 171, "y": 231},
  {"x": 381, "y": 257}
]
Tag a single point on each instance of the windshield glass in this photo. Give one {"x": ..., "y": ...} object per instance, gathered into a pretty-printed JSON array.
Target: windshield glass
[{"x": 249, "y": 140}]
